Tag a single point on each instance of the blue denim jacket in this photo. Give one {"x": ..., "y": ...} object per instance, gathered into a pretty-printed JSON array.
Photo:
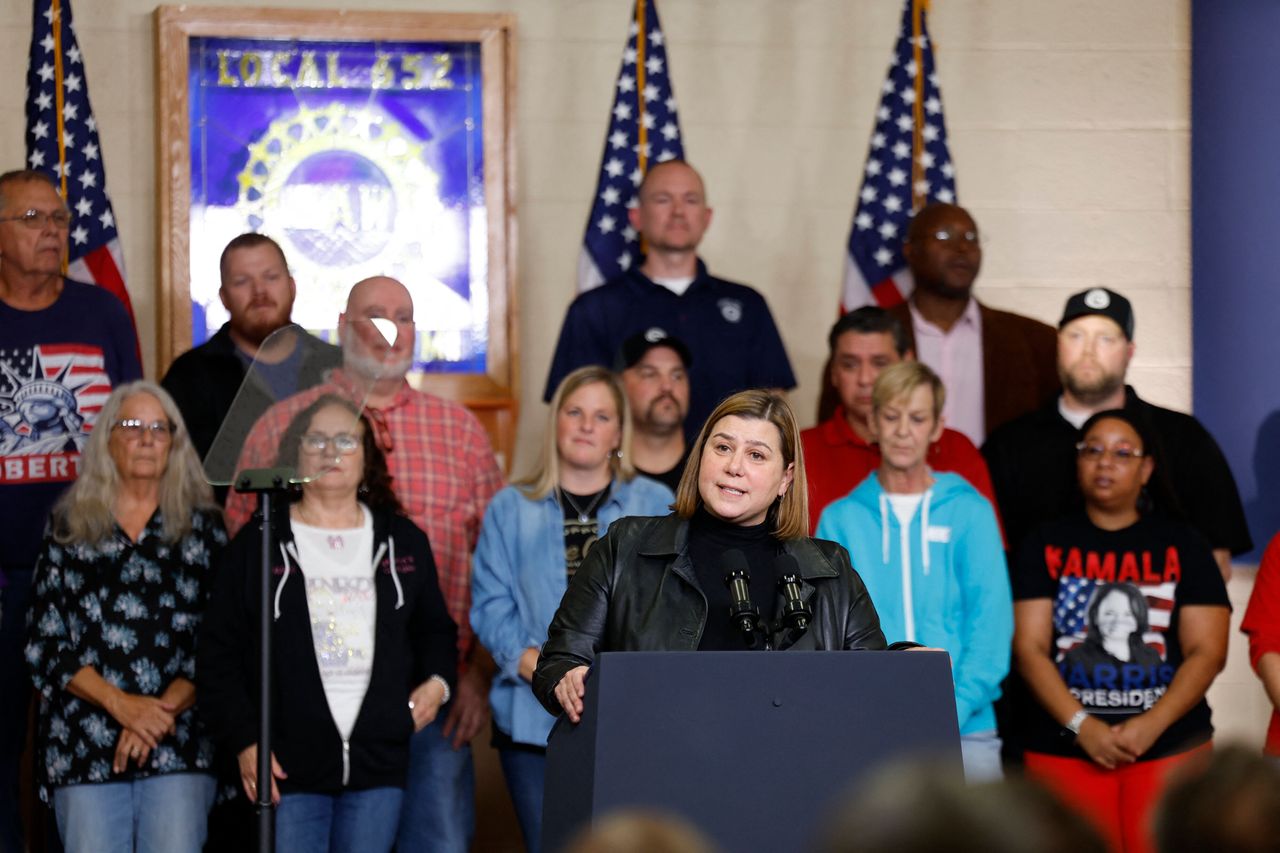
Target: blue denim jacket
[{"x": 518, "y": 579}]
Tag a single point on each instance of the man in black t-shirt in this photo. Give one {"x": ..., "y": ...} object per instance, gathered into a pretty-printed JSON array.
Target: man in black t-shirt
[
  {"x": 654, "y": 369},
  {"x": 258, "y": 293},
  {"x": 1033, "y": 460}
]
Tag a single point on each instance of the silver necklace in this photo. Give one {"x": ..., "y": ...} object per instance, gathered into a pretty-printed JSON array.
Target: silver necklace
[{"x": 584, "y": 515}]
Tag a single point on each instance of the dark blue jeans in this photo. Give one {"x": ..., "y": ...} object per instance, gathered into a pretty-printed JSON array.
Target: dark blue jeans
[
  {"x": 524, "y": 772},
  {"x": 439, "y": 811},
  {"x": 355, "y": 821}
]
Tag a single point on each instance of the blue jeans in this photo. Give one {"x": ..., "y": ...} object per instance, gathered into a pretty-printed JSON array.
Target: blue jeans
[
  {"x": 158, "y": 813},
  {"x": 15, "y": 694},
  {"x": 524, "y": 772},
  {"x": 439, "y": 812},
  {"x": 337, "y": 823},
  {"x": 981, "y": 754}
]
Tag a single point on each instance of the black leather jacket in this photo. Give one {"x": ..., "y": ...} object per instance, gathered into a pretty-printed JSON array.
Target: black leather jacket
[{"x": 636, "y": 591}]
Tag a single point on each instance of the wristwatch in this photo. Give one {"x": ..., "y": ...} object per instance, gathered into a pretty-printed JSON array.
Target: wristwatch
[{"x": 1076, "y": 721}]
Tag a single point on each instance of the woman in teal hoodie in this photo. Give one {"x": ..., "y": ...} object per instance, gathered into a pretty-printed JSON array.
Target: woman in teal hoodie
[{"x": 928, "y": 546}]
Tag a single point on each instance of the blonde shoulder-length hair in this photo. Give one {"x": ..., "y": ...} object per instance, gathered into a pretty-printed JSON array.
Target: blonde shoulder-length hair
[
  {"x": 85, "y": 514},
  {"x": 789, "y": 513},
  {"x": 544, "y": 479}
]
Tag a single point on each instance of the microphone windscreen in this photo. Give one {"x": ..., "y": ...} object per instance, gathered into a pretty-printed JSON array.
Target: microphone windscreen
[
  {"x": 785, "y": 564},
  {"x": 734, "y": 560}
]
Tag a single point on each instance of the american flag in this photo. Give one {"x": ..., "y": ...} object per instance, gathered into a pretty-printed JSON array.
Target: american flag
[
  {"x": 644, "y": 129},
  {"x": 62, "y": 141},
  {"x": 908, "y": 166}
]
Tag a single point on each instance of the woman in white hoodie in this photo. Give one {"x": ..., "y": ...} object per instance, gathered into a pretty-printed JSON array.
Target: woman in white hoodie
[{"x": 928, "y": 547}]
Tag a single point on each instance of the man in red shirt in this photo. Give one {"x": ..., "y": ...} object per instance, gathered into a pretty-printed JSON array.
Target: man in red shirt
[{"x": 839, "y": 453}]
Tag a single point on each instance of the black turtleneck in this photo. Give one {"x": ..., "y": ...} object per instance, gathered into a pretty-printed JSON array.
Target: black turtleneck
[{"x": 709, "y": 538}]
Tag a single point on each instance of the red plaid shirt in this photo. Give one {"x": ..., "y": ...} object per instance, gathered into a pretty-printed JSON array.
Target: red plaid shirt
[{"x": 443, "y": 468}]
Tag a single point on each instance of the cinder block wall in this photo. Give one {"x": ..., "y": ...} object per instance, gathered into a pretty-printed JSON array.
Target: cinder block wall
[{"x": 1069, "y": 126}]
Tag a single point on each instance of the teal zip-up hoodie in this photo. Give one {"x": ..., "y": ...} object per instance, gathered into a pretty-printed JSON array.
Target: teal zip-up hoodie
[{"x": 942, "y": 581}]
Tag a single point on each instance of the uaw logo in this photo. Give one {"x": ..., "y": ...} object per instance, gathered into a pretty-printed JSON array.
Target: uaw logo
[
  {"x": 50, "y": 399},
  {"x": 350, "y": 190},
  {"x": 730, "y": 309}
]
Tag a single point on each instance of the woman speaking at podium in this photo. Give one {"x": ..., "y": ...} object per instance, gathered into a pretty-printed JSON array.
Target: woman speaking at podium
[{"x": 731, "y": 569}]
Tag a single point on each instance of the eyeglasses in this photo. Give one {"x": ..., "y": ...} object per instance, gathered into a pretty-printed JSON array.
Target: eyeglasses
[
  {"x": 134, "y": 428},
  {"x": 317, "y": 442},
  {"x": 35, "y": 219},
  {"x": 973, "y": 238},
  {"x": 1121, "y": 455}
]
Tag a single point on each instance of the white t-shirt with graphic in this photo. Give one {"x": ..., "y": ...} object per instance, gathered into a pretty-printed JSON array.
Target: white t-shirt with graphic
[{"x": 343, "y": 604}]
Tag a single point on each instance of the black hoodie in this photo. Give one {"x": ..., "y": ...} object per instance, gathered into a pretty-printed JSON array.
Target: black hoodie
[{"x": 414, "y": 638}]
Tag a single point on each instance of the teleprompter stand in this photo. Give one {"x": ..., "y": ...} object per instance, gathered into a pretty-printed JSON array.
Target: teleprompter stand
[{"x": 270, "y": 484}]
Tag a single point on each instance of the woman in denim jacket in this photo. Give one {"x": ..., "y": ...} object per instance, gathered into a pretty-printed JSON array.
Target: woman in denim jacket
[{"x": 535, "y": 535}]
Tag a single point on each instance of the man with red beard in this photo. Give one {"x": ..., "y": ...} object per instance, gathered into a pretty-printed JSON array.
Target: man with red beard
[
  {"x": 258, "y": 292},
  {"x": 995, "y": 365},
  {"x": 1032, "y": 459}
]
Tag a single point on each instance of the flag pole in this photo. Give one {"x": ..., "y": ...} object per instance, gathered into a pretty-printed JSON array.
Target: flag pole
[{"x": 919, "y": 7}]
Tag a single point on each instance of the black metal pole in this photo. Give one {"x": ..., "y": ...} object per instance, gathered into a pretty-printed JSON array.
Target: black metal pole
[{"x": 264, "y": 809}]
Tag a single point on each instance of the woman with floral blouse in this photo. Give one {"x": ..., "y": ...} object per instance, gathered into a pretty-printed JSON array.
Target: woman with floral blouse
[{"x": 119, "y": 590}]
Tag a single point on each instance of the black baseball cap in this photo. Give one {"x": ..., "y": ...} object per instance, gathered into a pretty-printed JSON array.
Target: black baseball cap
[
  {"x": 1100, "y": 300},
  {"x": 637, "y": 346}
]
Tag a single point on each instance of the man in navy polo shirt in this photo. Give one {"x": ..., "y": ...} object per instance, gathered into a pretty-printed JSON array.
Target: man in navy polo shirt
[{"x": 727, "y": 327}]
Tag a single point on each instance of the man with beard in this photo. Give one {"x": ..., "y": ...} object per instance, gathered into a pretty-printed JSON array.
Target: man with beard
[
  {"x": 258, "y": 293},
  {"x": 995, "y": 365},
  {"x": 726, "y": 326},
  {"x": 655, "y": 375},
  {"x": 1032, "y": 459},
  {"x": 444, "y": 473}
]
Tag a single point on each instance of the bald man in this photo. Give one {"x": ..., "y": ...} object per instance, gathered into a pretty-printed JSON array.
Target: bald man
[
  {"x": 727, "y": 327},
  {"x": 444, "y": 473},
  {"x": 996, "y": 365}
]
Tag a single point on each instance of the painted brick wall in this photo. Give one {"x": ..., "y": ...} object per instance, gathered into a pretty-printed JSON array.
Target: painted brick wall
[{"x": 1069, "y": 124}]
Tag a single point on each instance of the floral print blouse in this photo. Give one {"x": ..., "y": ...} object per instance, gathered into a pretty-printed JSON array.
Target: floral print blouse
[{"x": 131, "y": 610}]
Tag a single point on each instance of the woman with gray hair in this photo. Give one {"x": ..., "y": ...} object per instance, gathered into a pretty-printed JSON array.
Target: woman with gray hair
[{"x": 119, "y": 590}]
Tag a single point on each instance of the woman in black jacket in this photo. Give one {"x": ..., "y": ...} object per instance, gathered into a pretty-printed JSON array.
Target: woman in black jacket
[
  {"x": 363, "y": 649},
  {"x": 659, "y": 583}
]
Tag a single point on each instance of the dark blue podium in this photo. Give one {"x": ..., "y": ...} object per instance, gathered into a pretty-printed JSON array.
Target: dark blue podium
[{"x": 753, "y": 748}]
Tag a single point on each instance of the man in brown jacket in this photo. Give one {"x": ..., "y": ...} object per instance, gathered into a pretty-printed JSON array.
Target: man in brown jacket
[{"x": 996, "y": 365}]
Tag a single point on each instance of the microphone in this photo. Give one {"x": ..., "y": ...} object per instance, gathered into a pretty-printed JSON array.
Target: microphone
[
  {"x": 737, "y": 577},
  {"x": 795, "y": 610}
]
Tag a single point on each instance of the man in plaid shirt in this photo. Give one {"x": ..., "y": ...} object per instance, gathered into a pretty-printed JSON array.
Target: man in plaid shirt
[{"x": 444, "y": 474}]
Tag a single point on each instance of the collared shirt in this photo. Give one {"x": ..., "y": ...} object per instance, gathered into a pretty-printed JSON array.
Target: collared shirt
[
  {"x": 728, "y": 328},
  {"x": 956, "y": 356},
  {"x": 442, "y": 467}
]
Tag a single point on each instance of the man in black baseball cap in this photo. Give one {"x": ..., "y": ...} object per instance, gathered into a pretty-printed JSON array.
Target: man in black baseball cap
[
  {"x": 654, "y": 368},
  {"x": 1032, "y": 459},
  {"x": 1102, "y": 302}
]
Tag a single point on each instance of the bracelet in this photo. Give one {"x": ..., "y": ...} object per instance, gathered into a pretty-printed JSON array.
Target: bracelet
[
  {"x": 448, "y": 694},
  {"x": 1076, "y": 721}
]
